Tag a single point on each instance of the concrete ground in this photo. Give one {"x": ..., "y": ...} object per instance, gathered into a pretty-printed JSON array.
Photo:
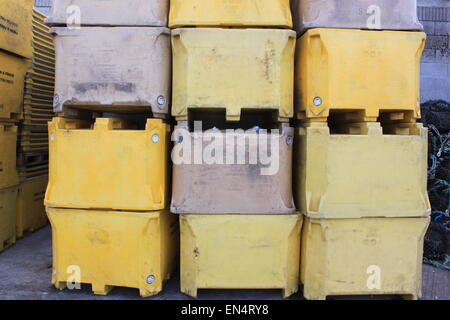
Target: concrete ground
[{"x": 25, "y": 273}]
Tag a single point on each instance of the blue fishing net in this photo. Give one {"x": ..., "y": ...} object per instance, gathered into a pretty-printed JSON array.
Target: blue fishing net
[{"x": 436, "y": 116}]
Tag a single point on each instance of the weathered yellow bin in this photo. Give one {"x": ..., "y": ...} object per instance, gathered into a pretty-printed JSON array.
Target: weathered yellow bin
[
  {"x": 362, "y": 173},
  {"x": 363, "y": 72},
  {"x": 250, "y": 13},
  {"x": 12, "y": 81},
  {"x": 8, "y": 145},
  {"x": 8, "y": 198},
  {"x": 240, "y": 252},
  {"x": 374, "y": 256},
  {"x": 233, "y": 70},
  {"x": 113, "y": 249},
  {"x": 30, "y": 206},
  {"x": 16, "y": 27},
  {"x": 110, "y": 166}
]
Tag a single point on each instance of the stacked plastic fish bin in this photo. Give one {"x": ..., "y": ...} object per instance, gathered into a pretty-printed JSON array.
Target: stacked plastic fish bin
[
  {"x": 361, "y": 157},
  {"x": 108, "y": 193},
  {"x": 32, "y": 157},
  {"x": 15, "y": 54},
  {"x": 233, "y": 84}
]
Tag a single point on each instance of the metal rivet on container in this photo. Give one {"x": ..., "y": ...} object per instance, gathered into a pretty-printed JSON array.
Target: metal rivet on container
[
  {"x": 150, "y": 279},
  {"x": 161, "y": 100},
  {"x": 289, "y": 140},
  {"x": 155, "y": 138},
  {"x": 317, "y": 101}
]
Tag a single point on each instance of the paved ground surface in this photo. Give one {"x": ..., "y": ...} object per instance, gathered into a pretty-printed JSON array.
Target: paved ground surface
[{"x": 25, "y": 271}]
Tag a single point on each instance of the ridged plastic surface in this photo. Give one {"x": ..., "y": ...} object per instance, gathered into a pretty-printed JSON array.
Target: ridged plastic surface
[
  {"x": 8, "y": 206},
  {"x": 113, "y": 69},
  {"x": 365, "y": 72},
  {"x": 359, "y": 14},
  {"x": 361, "y": 175},
  {"x": 15, "y": 27},
  {"x": 246, "y": 188},
  {"x": 152, "y": 13},
  {"x": 12, "y": 78},
  {"x": 30, "y": 206},
  {"x": 8, "y": 144},
  {"x": 240, "y": 252},
  {"x": 250, "y": 13},
  {"x": 232, "y": 70},
  {"x": 362, "y": 257},
  {"x": 113, "y": 249},
  {"x": 111, "y": 166}
]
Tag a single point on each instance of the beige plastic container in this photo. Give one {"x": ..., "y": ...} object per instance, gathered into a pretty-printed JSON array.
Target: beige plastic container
[
  {"x": 242, "y": 187},
  {"x": 113, "y": 69},
  {"x": 110, "y": 12},
  {"x": 359, "y": 14}
]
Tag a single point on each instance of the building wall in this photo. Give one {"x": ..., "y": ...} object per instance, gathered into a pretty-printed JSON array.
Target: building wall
[{"x": 435, "y": 68}]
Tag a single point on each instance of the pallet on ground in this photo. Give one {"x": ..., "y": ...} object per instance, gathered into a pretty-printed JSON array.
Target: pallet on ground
[
  {"x": 15, "y": 34},
  {"x": 32, "y": 165},
  {"x": 240, "y": 252},
  {"x": 360, "y": 172},
  {"x": 219, "y": 13},
  {"x": 8, "y": 141},
  {"x": 8, "y": 205},
  {"x": 248, "y": 69},
  {"x": 32, "y": 159},
  {"x": 366, "y": 73},
  {"x": 117, "y": 70},
  {"x": 233, "y": 182},
  {"x": 111, "y": 12},
  {"x": 108, "y": 164},
  {"x": 30, "y": 206},
  {"x": 33, "y": 171},
  {"x": 374, "y": 256},
  {"x": 359, "y": 14},
  {"x": 114, "y": 249}
]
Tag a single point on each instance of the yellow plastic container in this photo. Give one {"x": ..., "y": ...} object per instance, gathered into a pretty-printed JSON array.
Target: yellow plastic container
[
  {"x": 364, "y": 72},
  {"x": 8, "y": 198},
  {"x": 361, "y": 174},
  {"x": 8, "y": 143},
  {"x": 113, "y": 249},
  {"x": 213, "y": 13},
  {"x": 362, "y": 257},
  {"x": 30, "y": 206},
  {"x": 110, "y": 166},
  {"x": 12, "y": 81},
  {"x": 16, "y": 27},
  {"x": 240, "y": 252},
  {"x": 232, "y": 70}
]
